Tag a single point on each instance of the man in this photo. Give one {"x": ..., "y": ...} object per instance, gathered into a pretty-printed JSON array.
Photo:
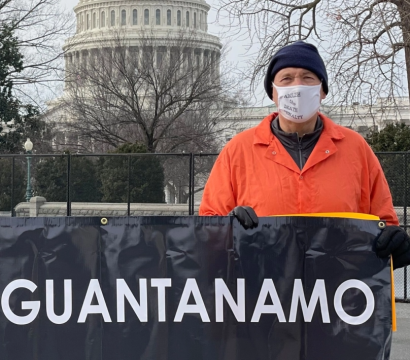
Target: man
[{"x": 298, "y": 161}]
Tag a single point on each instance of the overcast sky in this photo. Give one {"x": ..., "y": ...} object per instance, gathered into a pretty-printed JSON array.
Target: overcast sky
[{"x": 237, "y": 56}]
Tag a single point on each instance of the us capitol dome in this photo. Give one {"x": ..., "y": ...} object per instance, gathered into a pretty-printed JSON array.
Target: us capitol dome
[{"x": 99, "y": 20}]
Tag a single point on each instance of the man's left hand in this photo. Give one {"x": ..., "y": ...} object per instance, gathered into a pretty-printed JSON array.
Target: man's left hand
[{"x": 394, "y": 241}]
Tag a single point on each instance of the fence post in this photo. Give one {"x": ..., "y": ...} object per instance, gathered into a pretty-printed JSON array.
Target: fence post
[
  {"x": 129, "y": 187},
  {"x": 406, "y": 183},
  {"x": 13, "y": 214},
  {"x": 68, "y": 184},
  {"x": 191, "y": 184}
]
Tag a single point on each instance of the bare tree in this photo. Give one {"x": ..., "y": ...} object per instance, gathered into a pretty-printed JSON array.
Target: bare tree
[
  {"x": 169, "y": 94},
  {"x": 40, "y": 27},
  {"x": 162, "y": 94},
  {"x": 366, "y": 42}
]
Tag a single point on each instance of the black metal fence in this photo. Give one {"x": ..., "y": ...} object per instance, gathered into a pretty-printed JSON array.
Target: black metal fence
[
  {"x": 113, "y": 178},
  {"x": 142, "y": 178},
  {"x": 396, "y": 166}
]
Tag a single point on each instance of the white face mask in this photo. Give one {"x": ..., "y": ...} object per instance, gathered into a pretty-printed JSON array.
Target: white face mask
[{"x": 298, "y": 103}]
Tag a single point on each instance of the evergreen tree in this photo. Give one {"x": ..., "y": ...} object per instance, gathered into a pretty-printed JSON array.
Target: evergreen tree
[
  {"x": 394, "y": 138},
  {"x": 17, "y": 121},
  {"x": 146, "y": 176},
  {"x": 51, "y": 179},
  {"x": 6, "y": 181}
]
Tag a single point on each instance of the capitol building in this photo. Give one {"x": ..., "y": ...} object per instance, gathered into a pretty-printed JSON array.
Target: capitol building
[
  {"x": 99, "y": 23},
  {"x": 148, "y": 36},
  {"x": 362, "y": 118},
  {"x": 99, "y": 20}
]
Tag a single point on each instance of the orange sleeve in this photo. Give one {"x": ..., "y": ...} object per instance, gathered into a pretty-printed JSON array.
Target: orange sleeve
[
  {"x": 381, "y": 202},
  {"x": 218, "y": 197}
]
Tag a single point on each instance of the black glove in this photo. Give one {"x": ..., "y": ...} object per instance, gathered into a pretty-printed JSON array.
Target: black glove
[
  {"x": 394, "y": 241},
  {"x": 246, "y": 216}
]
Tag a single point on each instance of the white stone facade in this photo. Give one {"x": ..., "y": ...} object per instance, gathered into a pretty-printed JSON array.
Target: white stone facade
[
  {"x": 375, "y": 116},
  {"x": 360, "y": 117},
  {"x": 99, "y": 20},
  {"x": 38, "y": 206},
  {"x": 95, "y": 15}
]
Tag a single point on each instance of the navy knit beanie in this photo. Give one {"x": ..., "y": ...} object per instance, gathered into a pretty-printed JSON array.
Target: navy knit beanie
[{"x": 297, "y": 55}]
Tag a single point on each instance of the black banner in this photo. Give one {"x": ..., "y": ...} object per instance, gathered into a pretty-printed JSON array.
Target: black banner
[{"x": 184, "y": 288}]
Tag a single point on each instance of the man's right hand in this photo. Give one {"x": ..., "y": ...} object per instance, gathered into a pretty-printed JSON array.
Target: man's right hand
[
  {"x": 246, "y": 216},
  {"x": 394, "y": 241}
]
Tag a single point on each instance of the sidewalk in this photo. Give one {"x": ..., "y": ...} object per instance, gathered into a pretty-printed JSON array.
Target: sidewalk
[{"x": 401, "y": 338}]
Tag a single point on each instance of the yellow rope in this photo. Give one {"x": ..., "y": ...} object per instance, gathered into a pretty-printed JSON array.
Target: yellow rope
[{"x": 346, "y": 215}]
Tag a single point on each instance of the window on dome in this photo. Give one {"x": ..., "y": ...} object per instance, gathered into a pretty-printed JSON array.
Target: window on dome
[
  {"x": 112, "y": 17},
  {"x": 168, "y": 17},
  {"x": 187, "y": 19},
  {"x": 146, "y": 17},
  {"x": 134, "y": 17},
  {"x": 200, "y": 20},
  {"x": 194, "y": 20},
  {"x": 94, "y": 20},
  {"x": 103, "y": 19},
  {"x": 88, "y": 21},
  {"x": 179, "y": 18},
  {"x": 158, "y": 17},
  {"x": 123, "y": 17}
]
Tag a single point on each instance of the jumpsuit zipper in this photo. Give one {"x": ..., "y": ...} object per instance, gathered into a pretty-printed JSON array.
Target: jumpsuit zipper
[{"x": 300, "y": 154}]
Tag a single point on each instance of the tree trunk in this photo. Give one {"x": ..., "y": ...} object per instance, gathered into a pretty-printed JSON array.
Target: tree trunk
[
  {"x": 404, "y": 11},
  {"x": 150, "y": 144}
]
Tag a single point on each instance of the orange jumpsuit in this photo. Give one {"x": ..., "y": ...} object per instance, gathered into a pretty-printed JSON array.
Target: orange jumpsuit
[{"x": 342, "y": 174}]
